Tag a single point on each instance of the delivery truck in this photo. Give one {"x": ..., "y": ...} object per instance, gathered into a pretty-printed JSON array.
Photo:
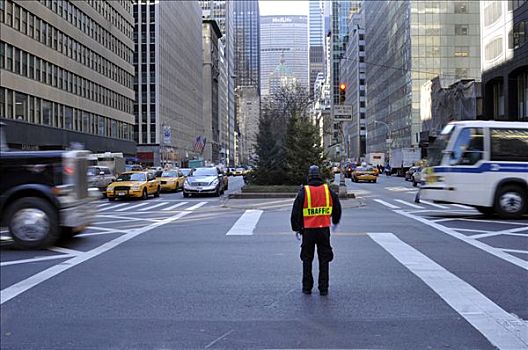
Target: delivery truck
[{"x": 402, "y": 159}]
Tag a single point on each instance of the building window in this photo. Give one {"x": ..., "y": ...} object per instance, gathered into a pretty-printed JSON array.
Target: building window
[
  {"x": 522, "y": 95},
  {"x": 519, "y": 34},
  {"x": 498, "y": 99},
  {"x": 461, "y": 51},
  {"x": 461, "y": 73},
  {"x": 493, "y": 49},
  {"x": 46, "y": 112},
  {"x": 9, "y": 104},
  {"x": 16, "y": 53},
  {"x": 492, "y": 12},
  {"x": 461, "y": 7},
  {"x": 461, "y": 29}
]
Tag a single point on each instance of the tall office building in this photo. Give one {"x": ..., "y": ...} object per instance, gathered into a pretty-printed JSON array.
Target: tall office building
[
  {"x": 66, "y": 74},
  {"x": 247, "y": 43},
  {"x": 340, "y": 15},
  {"x": 316, "y": 37},
  {"x": 288, "y": 36},
  {"x": 408, "y": 44},
  {"x": 354, "y": 76},
  {"x": 504, "y": 26},
  {"x": 222, "y": 11},
  {"x": 168, "y": 83}
]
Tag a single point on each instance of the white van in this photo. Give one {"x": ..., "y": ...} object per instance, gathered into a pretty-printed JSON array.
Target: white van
[{"x": 483, "y": 164}]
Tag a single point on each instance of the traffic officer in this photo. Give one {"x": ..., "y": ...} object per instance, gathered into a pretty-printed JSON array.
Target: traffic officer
[{"x": 315, "y": 207}]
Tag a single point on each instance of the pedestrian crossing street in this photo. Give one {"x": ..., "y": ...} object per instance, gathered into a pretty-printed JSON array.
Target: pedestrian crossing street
[
  {"x": 422, "y": 205},
  {"x": 144, "y": 206}
]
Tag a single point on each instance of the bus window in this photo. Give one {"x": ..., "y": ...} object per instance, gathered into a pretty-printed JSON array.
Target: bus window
[
  {"x": 509, "y": 145},
  {"x": 469, "y": 147}
]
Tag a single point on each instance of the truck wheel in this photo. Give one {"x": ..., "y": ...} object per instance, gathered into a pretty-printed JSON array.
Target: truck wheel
[
  {"x": 510, "y": 202},
  {"x": 33, "y": 223},
  {"x": 486, "y": 211}
]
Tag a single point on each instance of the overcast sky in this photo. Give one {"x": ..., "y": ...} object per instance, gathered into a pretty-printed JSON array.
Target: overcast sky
[{"x": 282, "y": 7}]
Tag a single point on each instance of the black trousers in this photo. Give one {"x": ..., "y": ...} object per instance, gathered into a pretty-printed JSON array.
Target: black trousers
[{"x": 310, "y": 239}]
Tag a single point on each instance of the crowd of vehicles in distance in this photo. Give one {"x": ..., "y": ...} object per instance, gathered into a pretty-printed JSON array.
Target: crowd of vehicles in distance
[
  {"x": 483, "y": 164},
  {"x": 205, "y": 180},
  {"x": 44, "y": 195},
  {"x": 238, "y": 171},
  {"x": 172, "y": 180}
]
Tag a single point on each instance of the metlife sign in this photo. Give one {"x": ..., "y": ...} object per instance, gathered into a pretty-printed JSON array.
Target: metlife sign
[{"x": 342, "y": 112}]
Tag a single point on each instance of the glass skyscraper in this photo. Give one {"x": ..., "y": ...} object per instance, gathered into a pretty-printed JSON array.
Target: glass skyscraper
[
  {"x": 247, "y": 43},
  {"x": 316, "y": 40},
  {"x": 283, "y": 37},
  {"x": 409, "y": 43}
]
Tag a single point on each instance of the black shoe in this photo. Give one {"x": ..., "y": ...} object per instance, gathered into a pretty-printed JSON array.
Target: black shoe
[
  {"x": 323, "y": 292},
  {"x": 307, "y": 291}
]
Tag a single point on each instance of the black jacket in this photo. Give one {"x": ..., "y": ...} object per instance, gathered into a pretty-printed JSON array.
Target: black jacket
[{"x": 297, "y": 220}]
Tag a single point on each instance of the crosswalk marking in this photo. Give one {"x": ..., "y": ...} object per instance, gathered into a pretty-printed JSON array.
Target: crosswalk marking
[
  {"x": 409, "y": 204},
  {"x": 433, "y": 204},
  {"x": 175, "y": 206},
  {"x": 134, "y": 206},
  {"x": 153, "y": 206},
  {"x": 196, "y": 206},
  {"x": 386, "y": 204},
  {"x": 103, "y": 205},
  {"x": 462, "y": 206},
  {"x": 113, "y": 207},
  {"x": 502, "y": 329},
  {"x": 245, "y": 225}
]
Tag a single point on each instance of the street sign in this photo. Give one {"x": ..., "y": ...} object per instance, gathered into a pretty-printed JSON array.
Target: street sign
[
  {"x": 342, "y": 112},
  {"x": 167, "y": 135}
]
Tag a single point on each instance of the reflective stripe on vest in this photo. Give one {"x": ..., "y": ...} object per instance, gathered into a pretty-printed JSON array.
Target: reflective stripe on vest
[{"x": 317, "y": 209}]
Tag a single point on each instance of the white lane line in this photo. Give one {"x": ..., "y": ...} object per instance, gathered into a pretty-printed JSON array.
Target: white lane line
[
  {"x": 175, "y": 206},
  {"x": 196, "y": 206},
  {"x": 16, "y": 289},
  {"x": 502, "y": 329},
  {"x": 113, "y": 207},
  {"x": 153, "y": 206},
  {"x": 516, "y": 251},
  {"x": 387, "y": 204},
  {"x": 245, "y": 225},
  {"x": 445, "y": 219},
  {"x": 462, "y": 206},
  {"x": 103, "y": 205},
  {"x": 494, "y": 222},
  {"x": 65, "y": 251},
  {"x": 134, "y": 206},
  {"x": 467, "y": 229},
  {"x": 476, "y": 243},
  {"x": 409, "y": 204},
  {"x": 43, "y": 258},
  {"x": 434, "y": 204}
]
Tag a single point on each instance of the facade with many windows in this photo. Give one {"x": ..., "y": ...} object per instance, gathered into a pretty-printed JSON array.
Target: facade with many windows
[
  {"x": 66, "y": 74},
  {"x": 247, "y": 43},
  {"x": 408, "y": 44},
  {"x": 504, "y": 26},
  {"x": 168, "y": 82}
]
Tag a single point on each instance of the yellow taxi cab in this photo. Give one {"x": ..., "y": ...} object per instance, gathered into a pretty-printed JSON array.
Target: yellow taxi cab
[
  {"x": 134, "y": 184},
  {"x": 364, "y": 173},
  {"x": 172, "y": 180}
]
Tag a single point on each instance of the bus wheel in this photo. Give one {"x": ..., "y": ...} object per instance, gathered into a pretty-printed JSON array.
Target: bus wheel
[{"x": 510, "y": 202}]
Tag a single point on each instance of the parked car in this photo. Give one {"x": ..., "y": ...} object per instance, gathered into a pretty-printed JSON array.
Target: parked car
[
  {"x": 364, "y": 174},
  {"x": 172, "y": 180},
  {"x": 206, "y": 180},
  {"x": 134, "y": 184},
  {"x": 100, "y": 177}
]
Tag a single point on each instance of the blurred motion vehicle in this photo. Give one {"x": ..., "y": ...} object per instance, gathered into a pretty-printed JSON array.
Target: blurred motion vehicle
[
  {"x": 409, "y": 173},
  {"x": 336, "y": 168},
  {"x": 349, "y": 169},
  {"x": 134, "y": 184},
  {"x": 483, "y": 164},
  {"x": 206, "y": 180},
  {"x": 44, "y": 195},
  {"x": 239, "y": 171},
  {"x": 417, "y": 177},
  {"x": 186, "y": 171},
  {"x": 172, "y": 180},
  {"x": 364, "y": 173},
  {"x": 100, "y": 177},
  {"x": 113, "y": 161}
]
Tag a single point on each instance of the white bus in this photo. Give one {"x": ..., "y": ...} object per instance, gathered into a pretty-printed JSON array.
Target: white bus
[{"x": 483, "y": 164}]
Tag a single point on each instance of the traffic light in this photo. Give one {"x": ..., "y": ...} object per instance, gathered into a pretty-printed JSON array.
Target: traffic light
[{"x": 342, "y": 93}]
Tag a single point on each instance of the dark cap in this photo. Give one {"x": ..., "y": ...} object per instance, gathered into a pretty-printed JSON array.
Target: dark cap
[{"x": 314, "y": 172}]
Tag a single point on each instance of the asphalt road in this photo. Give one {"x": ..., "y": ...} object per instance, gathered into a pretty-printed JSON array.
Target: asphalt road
[{"x": 200, "y": 273}]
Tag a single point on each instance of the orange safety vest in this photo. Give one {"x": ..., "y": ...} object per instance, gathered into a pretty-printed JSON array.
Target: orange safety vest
[{"x": 317, "y": 209}]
